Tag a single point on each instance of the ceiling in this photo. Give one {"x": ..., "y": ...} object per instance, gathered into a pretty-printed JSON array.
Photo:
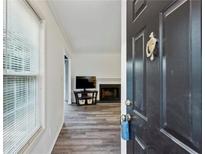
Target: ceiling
[{"x": 92, "y": 26}]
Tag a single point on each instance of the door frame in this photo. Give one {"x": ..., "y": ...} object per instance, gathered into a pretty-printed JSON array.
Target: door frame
[
  {"x": 123, "y": 65},
  {"x": 69, "y": 78}
]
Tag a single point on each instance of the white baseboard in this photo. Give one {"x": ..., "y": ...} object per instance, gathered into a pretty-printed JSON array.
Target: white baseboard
[{"x": 56, "y": 137}]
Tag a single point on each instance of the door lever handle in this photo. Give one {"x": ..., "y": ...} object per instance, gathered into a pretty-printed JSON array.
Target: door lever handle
[{"x": 126, "y": 117}]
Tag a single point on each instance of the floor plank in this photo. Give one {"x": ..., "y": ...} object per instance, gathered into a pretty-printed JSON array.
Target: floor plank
[{"x": 93, "y": 129}]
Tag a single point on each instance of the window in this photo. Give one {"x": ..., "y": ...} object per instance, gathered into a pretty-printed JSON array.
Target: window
[{"x": 21, "y": 71}]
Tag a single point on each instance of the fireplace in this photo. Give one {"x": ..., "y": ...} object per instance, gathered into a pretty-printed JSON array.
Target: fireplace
[{"x": 110, "y": 92}]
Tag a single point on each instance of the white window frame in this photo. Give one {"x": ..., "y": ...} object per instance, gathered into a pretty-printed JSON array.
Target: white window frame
[{"x": 40, "y": 81}]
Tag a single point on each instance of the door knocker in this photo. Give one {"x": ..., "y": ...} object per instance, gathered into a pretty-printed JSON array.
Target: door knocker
[{"x": 150, "y": 47}]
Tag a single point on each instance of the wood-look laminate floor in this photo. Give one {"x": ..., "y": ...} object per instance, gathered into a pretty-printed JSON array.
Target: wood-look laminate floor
[{"x": 93, "y": 129}]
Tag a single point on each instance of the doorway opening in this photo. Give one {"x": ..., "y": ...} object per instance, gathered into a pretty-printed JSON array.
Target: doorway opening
[{"x": 66, "y": 79}]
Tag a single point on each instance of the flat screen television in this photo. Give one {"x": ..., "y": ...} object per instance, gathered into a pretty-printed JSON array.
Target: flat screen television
[{"x": 85, "y": 82}]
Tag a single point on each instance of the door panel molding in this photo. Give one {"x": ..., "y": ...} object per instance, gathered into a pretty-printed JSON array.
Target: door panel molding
[
  {"x": 139, "y": 64},
  {"x": 138, "y": 8},
  {"x": 174, "y": 7},
  {"x": 140, "y": 143},
  {"x": 140, "y": 115},
  {"x": 181, "y": 144}
]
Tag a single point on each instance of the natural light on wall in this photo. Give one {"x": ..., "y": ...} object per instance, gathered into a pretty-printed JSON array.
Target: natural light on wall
[{"x": 21, "y": 69}]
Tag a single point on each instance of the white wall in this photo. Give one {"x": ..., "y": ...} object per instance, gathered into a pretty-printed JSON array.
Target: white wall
[
  {"x": 54, "y": 72},
  {"x": 105, "y": 66},
  {"x": 101, "y": 65}
]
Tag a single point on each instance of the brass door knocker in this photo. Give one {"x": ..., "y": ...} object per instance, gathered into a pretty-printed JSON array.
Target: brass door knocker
[{"x": 150, "y": 47}]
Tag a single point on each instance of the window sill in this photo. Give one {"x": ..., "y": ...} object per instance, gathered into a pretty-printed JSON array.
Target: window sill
[{"x": 32, "y": 141}]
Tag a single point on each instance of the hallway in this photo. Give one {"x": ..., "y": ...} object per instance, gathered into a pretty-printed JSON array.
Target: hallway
[{"x": 93, "y": 129}]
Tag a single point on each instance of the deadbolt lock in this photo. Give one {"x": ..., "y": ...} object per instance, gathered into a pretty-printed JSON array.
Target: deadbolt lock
[{"x": 128, "y": 102}]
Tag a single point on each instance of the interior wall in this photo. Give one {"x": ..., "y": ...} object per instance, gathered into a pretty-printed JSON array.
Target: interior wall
[
  {"x": 55, "y": 47},
  {"x": 105, "y": 66}
]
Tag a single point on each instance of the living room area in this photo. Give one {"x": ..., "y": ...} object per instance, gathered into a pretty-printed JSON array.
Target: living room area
[{"x": 92, "y": 116}]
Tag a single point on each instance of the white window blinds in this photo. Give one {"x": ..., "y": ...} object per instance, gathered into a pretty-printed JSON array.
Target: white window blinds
[{"x": 21, "y": 68}]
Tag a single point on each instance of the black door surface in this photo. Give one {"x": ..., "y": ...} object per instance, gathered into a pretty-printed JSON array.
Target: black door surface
[{"x": 165, "y": 92}]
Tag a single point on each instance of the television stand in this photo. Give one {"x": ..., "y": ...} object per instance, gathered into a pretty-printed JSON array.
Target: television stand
[{"x": 86, "y": 97}]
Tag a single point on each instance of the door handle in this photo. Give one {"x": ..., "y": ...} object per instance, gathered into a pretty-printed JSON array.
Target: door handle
[{"x": 128, "y": 117}]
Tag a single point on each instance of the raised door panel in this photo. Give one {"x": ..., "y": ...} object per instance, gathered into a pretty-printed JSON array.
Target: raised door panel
[
  {"x": 177, "y": 105},
  {"x": 139, "y": 74}
]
